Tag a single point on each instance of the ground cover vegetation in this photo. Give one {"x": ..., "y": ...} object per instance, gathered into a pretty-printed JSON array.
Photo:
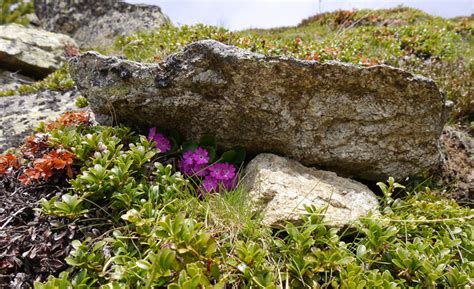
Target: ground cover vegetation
[
  {"x": 135, "y": 211},
  {"x": 15, "y": 11}
]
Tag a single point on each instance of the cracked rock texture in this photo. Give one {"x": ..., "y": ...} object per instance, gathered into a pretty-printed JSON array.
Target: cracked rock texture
[
  {"x": 33, "y": 52},
  {"x": 98, "y": 23},
  {"x": 21, "y": 113},
  {"x": 281, "y": 187},
  {"x": 363, "y": 122}
]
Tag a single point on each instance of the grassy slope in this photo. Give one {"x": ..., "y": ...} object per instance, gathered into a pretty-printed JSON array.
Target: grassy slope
[
  {"x": 407, "y": 38},
  {"x": 160, "y": 234}
]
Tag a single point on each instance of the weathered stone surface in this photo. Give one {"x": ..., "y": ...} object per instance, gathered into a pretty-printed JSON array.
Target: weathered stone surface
[
  {"x": 11, "y": 80},
  {"x": 20, "y": 114},
  {"x": 282, "y": 187},
  {"x": 457, "y": 165},
  {"x": 98, "y": 23},
  {"x": 32, "y": 51},
  {"x": 366, "y": 122}
]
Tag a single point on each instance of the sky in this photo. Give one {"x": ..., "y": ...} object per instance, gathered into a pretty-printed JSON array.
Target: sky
[{"x": 243, "y": 14}]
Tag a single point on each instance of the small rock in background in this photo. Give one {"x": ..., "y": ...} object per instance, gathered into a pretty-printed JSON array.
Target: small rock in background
[
  {"x": 96, "y": 24},
  {"x": 30, "y": 51},
  {"x": 281, "y": 187}
]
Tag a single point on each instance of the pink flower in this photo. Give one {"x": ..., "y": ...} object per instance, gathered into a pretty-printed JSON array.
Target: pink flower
[
  {"x": 188, "y": 159},
  {"x": 218, "y": 177},
  {"x": 201, "y": 156},
  {"x": 222, "y": 171},
  {"x": 200, "y": 170},
  {"x": 195, "y": 163},
  {"x": 230, "y": 184},
  {"x": 222, "y": 176},
  {"x": 162, "y": 143},
  {"x": 151, "y": 133},
  {"x": 208, "y": 185}
]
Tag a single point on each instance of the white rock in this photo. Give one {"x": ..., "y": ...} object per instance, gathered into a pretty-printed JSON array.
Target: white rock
[{"x": 282, "y": 187}]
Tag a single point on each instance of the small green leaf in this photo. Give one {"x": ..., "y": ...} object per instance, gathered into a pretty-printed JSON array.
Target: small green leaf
[
  {"x": 361, "y": 251},
  {"x": 398, "y": 264},
  {"x": 228, "y": 156},
  {"x": 208, "y": 140},
  {"x": 143, "y": 264},
  {"x": 240, "y": 155},
  {"x": 175, "y": 135},
  {"x": 189, "y": 146},
  {"x": 212, "y": 153}
]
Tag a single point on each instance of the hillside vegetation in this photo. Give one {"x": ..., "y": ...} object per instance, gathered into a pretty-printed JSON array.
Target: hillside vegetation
[
  {"x": 407, "y": 38},
  {"x": 15, "y": 11},
  {"x": 141, "y": 223}
]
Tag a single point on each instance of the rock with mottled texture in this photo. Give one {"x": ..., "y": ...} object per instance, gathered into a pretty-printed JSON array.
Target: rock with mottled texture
[
  {"x": 281, "y": 188},
  {"x": 457, "y": 165},
  {"x": 32, "y": 51},
  {"x": 364, "y": 122},
  {"x": 12, "y": 80},
  {"x": 98, "y": 23},
  {"x": 20, "y": 114}
]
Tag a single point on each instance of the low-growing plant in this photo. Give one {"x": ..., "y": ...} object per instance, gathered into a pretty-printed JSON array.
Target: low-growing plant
[
  {"x": 161, "y": 245},
  {"x": 59, "y": 80},
  {"x": 14, "y": 11},
  {"x": 70, "y": 206}
]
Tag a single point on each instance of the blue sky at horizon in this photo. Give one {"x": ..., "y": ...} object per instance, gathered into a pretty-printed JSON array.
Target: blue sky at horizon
[{"x": 243, "y": 14}]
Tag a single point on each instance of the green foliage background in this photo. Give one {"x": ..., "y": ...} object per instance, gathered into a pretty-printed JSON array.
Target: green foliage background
[
  {"x": 14, "y": 11},
  {"x": 160, "y": 235}
]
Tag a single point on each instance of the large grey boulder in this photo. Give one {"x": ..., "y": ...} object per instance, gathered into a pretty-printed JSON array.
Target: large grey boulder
[
  {"x": 365, "y": 122},
  {"x": 20, "y": 114},
  {"x": 281, "y": 188},
  {"x": 98, "y": 23},
  {"x": 32, "y": 51}
]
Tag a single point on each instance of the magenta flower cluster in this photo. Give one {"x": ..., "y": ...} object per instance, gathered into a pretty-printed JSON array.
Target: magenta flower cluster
[
  {"x": 162, "y": 143},
  {"x": 215, "y": 177},
  {"x": 195, "y": 163},
  {"x": 222, "y": 176}
]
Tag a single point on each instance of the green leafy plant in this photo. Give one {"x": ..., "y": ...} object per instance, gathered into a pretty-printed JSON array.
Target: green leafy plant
[
  {"x": 14, "y": 11},
  {"x": 388, "y": 190},
  {"x": 59, "y": 80},
  {"x": 81, "y": 102},
  {"x": 70, "y": 206}
]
